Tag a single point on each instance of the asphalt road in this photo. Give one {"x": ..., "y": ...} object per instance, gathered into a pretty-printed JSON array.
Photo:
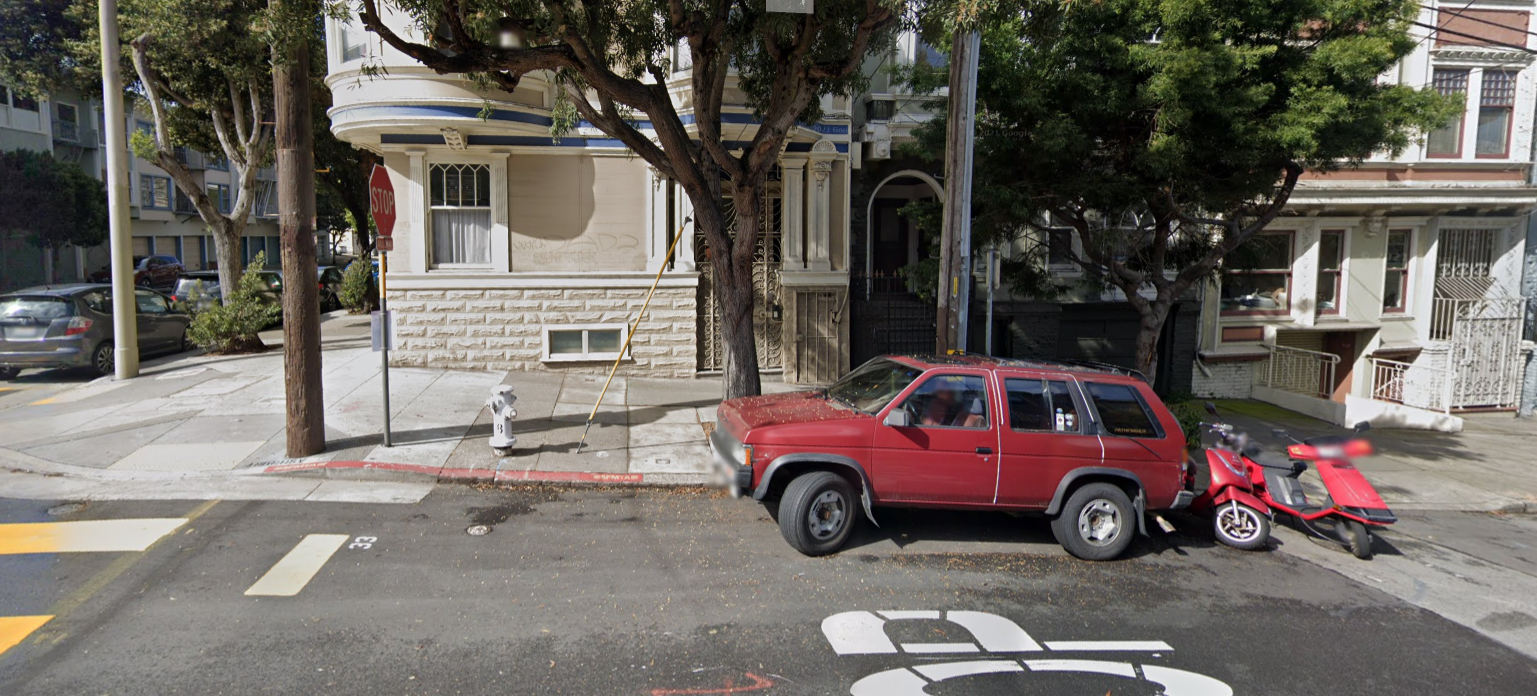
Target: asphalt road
[{"x": 686, "y": 592}]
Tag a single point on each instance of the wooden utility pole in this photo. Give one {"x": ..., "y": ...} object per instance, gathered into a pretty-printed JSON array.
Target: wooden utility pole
[
  {"x": 955, "y": 238},
  {"x": 296, "y": 225}
]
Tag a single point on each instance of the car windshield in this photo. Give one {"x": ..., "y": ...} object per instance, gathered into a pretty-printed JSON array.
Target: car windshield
[
  {"x": 192, "y": 288},
  {"x": 874, "y": 384},
  {"x": 43, "y": 309}
]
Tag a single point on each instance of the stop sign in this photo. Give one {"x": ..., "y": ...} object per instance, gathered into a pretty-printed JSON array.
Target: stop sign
[{"x": 381, "y": 200}]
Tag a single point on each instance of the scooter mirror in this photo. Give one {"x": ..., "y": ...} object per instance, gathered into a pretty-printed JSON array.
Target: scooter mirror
[
  {"x": 1363, "y": 426},
  {"x": 1211, "y": 408},
  {"x": 1280, "y": 434}
]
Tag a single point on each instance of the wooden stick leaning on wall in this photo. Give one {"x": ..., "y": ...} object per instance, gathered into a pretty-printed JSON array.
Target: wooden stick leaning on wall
[{"x": 677, "y": 237}]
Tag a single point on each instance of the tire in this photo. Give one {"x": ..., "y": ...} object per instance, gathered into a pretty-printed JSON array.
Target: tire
[
  {"x": 1355, "y": 537},
  {"x": 817, "y": 513},
  {"x": 9, "y": 373},
  {"x": 104, "y": 359},
  {"x": 186, "y": 344},
  {"x": 1240, "y": 526},
  {"x": 146, "y": 282},
  {"x": 1096, "y": 523}
]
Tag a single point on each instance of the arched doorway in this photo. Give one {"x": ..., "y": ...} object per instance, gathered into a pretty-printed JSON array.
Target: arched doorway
[{"x": 886, "y": 317}]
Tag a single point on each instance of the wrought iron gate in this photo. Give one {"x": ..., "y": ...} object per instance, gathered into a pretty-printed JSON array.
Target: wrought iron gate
[
  {"x": 768, "y": 333},
  {"x": 1486, "y": 354},
  {"x": 888, "y": 319}
]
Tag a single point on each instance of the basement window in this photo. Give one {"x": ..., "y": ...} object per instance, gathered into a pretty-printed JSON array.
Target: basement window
[{"x": 583, "y": 343}]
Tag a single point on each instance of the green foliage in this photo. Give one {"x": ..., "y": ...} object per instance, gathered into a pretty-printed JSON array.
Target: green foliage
[
  {"x": 53, "y": 202},
  {"x": 358, "y": 293},
  {"x": 233, "y": 326},
  {"x": 35, "y": 38},
  {"x": 1187, "y": 410}
]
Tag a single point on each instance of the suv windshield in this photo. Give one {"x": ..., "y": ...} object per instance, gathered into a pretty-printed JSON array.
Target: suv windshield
[{"x": 874, "y": 384}]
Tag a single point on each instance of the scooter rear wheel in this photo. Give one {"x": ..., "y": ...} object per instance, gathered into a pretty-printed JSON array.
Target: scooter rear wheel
[
  {"x": 1355, "y": 537},
  {"x": 1240, "y": 526}
]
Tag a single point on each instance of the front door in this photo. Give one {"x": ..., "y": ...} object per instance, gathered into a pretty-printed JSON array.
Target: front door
[
  {"x": 948, "y": 451},
  {"x": 1343, "y": 344}
]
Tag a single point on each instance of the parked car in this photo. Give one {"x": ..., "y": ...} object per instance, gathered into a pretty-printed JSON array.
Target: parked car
[
  {"x": 159, "y": 271},
  {"x": 199, "y": 290},
  {"x": 71, "y": 326},
  {"x": 1090, "y": 447},
  {"x": 330, "y": 288}
]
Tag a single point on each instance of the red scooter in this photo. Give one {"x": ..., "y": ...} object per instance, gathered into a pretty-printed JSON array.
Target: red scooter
[{"x": 1250, "y": 483}]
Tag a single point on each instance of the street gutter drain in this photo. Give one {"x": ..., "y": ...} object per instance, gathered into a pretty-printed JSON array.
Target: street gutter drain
[{"x": 478, "y": 530}]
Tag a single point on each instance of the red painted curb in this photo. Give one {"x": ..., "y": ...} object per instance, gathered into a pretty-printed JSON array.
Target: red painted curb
[{"x": 465, "y": 474}]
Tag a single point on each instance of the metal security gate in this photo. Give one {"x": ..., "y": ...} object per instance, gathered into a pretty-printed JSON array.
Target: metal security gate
[
  {"x": 767, "y": 330},
  {"x": 887, "y": 318},
  {"x": 1486, "y": 354}
]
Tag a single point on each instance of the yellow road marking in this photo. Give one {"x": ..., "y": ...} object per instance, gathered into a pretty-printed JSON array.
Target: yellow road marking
[
  {"x": 40, "y": 402},
  {"x": 14, "y": 629},
  {"x": 86, "y": 536},
  {"x": 296, "y": 569}
]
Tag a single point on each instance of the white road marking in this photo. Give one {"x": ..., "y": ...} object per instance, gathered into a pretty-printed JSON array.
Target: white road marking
[
  {"x": 899, "y": 615},
  {"x": 1109, "y": 645},
  {"x": 1119, "y": 669},
  {"x": 857, "y": 633},
  {"x": 995, "y": 633},
  {"x": 939, "y": 648},
  {"x": 296, "y": 569},
  {"x": 948, "y": 670},
  {"x": 1178, "y": 682}
]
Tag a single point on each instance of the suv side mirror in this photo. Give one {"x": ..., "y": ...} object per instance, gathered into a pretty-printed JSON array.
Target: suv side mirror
[
  {"x": 1211, "y": 408},
  {"x": 897, "y": 418}
]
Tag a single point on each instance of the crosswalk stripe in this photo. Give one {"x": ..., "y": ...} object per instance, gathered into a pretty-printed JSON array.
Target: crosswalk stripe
[
  {"x": 296, "y": 569},
  {"x": 85, "y": 536},
  {"x": 14, "y": 629}
]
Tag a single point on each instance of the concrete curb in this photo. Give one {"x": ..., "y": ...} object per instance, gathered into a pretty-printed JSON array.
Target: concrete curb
[{"x": 449, "y": 475}]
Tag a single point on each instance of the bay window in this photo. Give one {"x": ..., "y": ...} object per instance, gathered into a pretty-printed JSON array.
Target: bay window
[
  {"x": 460, "y": 212},
  {"x": 1446, "y": 141},
  {"x": 1259, "y": 281}
]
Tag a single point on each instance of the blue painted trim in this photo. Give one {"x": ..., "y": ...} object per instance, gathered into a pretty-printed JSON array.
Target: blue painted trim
[
  {"x": 470, "y": 112},
  {"x": 542, "y": 141}
]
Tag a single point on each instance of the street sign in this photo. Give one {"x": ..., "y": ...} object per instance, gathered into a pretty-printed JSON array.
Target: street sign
[
  {"x": 381, "y": 201},
  {"x": 385, "y": 243}
]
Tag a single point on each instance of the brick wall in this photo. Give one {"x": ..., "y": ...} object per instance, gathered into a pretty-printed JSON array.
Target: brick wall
[
  {"x": 1228, "y": 380},
  {"x": 504, "y": 329}
]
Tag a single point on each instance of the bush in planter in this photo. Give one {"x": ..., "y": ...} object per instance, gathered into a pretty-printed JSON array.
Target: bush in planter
[
  {"x": 232, "y": 327},
  {"x": 358, "y": 293}
]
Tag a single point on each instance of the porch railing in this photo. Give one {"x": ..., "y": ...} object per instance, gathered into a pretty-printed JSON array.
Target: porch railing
[
  {"x": 1420, "y": 386},
  {"x": 1306, "y": 372},
  {"x": 1444, "y": 312}
]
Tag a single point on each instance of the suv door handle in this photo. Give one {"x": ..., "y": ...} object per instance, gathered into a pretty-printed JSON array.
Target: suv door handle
[{"x": 984, "y": 450}]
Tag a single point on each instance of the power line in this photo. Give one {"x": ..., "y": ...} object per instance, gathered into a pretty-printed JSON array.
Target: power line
[{"x": 1482, "y": 41}]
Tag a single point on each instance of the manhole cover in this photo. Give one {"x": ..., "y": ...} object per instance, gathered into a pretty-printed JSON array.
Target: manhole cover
[
  {"x": 66, "y": 509},
  {"x": 478, "y": 530}
]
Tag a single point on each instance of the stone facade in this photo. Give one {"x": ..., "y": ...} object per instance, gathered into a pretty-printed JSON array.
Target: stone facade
[
  {"x": 1227, "y": 380},
  {"x": 502, "y": 329}
]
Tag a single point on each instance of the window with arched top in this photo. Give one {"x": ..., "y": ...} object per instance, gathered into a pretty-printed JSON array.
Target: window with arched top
[{"x": 460, "y": 214}]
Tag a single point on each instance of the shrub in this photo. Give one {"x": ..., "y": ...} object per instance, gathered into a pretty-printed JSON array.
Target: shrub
[
  {"x": 358, "y": 293},
  {"x": 1189, "y": 414},
  {"x": 232, "y": 327}
]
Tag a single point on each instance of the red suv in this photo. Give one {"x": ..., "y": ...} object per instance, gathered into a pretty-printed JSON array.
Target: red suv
[{"x": 1091, "y": 447}]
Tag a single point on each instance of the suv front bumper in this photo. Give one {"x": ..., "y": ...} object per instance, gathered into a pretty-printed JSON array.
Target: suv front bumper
[{"x": 730, "y": 471}]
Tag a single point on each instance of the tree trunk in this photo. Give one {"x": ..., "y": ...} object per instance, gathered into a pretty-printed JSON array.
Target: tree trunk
[
  {"x": 1149, "y": 330},
  {"x": 226, "y": 249},
  {"x": 733, "y": 290},
  {"x": 306, "y": 427}
]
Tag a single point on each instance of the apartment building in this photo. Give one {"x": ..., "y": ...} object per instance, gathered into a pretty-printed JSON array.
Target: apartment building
[
  {"x": 1392, "y": 292},
  {"x": 72, "y": 126}
]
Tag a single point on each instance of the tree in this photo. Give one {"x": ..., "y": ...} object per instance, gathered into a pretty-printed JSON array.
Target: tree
[
  {"x": 54, "y": 202},
  {"x": 612, "y": 61},
  {"x": 35, "y": 45},
  {"x": 1163, "y": 134}
]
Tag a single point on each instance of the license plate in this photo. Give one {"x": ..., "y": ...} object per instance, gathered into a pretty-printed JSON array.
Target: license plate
[{"x": 21, "y": 333}]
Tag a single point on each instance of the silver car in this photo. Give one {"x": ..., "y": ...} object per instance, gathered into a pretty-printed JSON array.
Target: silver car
[{"x": 71, "y": 326}]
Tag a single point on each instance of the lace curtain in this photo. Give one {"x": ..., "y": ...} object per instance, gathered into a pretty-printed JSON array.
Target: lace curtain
[{"x": 461, "y": 236}]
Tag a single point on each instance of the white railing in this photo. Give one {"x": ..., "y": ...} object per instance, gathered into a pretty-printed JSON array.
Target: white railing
[
  {"x": 1297, "y": 370},
  {"x": 1444, "y": 312},
  {"x": 1420, "y": 386}
]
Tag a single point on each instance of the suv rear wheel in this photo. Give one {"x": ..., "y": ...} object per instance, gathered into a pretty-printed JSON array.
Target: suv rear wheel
[
  {"x": 1096, "y": 523},
  {"x": 9, "y": 373},
  {"x": 817, "y": 513}
]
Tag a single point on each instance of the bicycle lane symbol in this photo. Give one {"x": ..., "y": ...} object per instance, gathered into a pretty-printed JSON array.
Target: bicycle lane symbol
[{"x": 864, "y": 633}]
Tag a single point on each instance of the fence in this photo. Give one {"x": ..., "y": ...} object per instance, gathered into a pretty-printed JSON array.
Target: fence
[
  {"x": 1420, "y": 386},
  {"x": 1306, "y": 372},
  {"x": 1444, "y": 312}
]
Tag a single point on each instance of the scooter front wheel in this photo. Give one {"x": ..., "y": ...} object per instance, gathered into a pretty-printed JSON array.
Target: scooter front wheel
[
  {"x": 1240, "y": 526},
  {"x": 1354, "y": 536}
]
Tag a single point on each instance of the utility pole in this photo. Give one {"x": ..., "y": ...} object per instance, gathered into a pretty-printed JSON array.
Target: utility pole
[
  {"x": 955, "y": 237},
  {"x": 125, "y": 327},
  {"x": 295, "y": 138}
]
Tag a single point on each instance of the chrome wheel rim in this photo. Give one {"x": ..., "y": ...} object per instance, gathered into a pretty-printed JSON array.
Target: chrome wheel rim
[
  {"x": 1099, "y": 523},
  {"x": 1239, "y": 524},
  {"x": 827, "y": 513},
  {"x": 106, "y": 359}
]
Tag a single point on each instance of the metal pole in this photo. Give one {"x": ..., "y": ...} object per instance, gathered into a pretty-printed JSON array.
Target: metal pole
[
  {"x": 125, "y": 328},
  {"x": 992, "y": 280},
  {"x": 386, "y": 332}
]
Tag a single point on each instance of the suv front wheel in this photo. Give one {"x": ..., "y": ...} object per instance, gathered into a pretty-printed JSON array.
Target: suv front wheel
[
  {"x": 817, "y": 513},
  {"x": 1096, "y": 523}
]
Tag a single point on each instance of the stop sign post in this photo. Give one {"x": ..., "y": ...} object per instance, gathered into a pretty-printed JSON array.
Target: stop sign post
[{"x": 381, "y": 204}]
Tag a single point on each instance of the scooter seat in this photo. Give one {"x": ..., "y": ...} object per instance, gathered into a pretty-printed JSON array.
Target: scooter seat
[{"x": 1272, "y": 459}]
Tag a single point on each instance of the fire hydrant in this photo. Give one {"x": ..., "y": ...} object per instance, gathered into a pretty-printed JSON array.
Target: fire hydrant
[{"x": 502, "y": 413}]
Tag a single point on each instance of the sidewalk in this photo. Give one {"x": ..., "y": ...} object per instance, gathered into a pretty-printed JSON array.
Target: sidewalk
[{"x": 1488, "y": 467}]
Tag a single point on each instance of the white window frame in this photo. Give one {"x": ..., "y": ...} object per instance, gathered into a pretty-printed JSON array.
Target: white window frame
[
  {"x": 586, "y": 355},
  {"x": 497, "y": 163},
  {"x": 344, "y": 29}
]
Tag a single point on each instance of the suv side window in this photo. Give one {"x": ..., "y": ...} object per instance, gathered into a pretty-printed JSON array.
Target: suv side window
[
  {"x": 949, "y": 401},
  {"x": 1042, "y": 405},
  {"x": 1122, "y": 411}
]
